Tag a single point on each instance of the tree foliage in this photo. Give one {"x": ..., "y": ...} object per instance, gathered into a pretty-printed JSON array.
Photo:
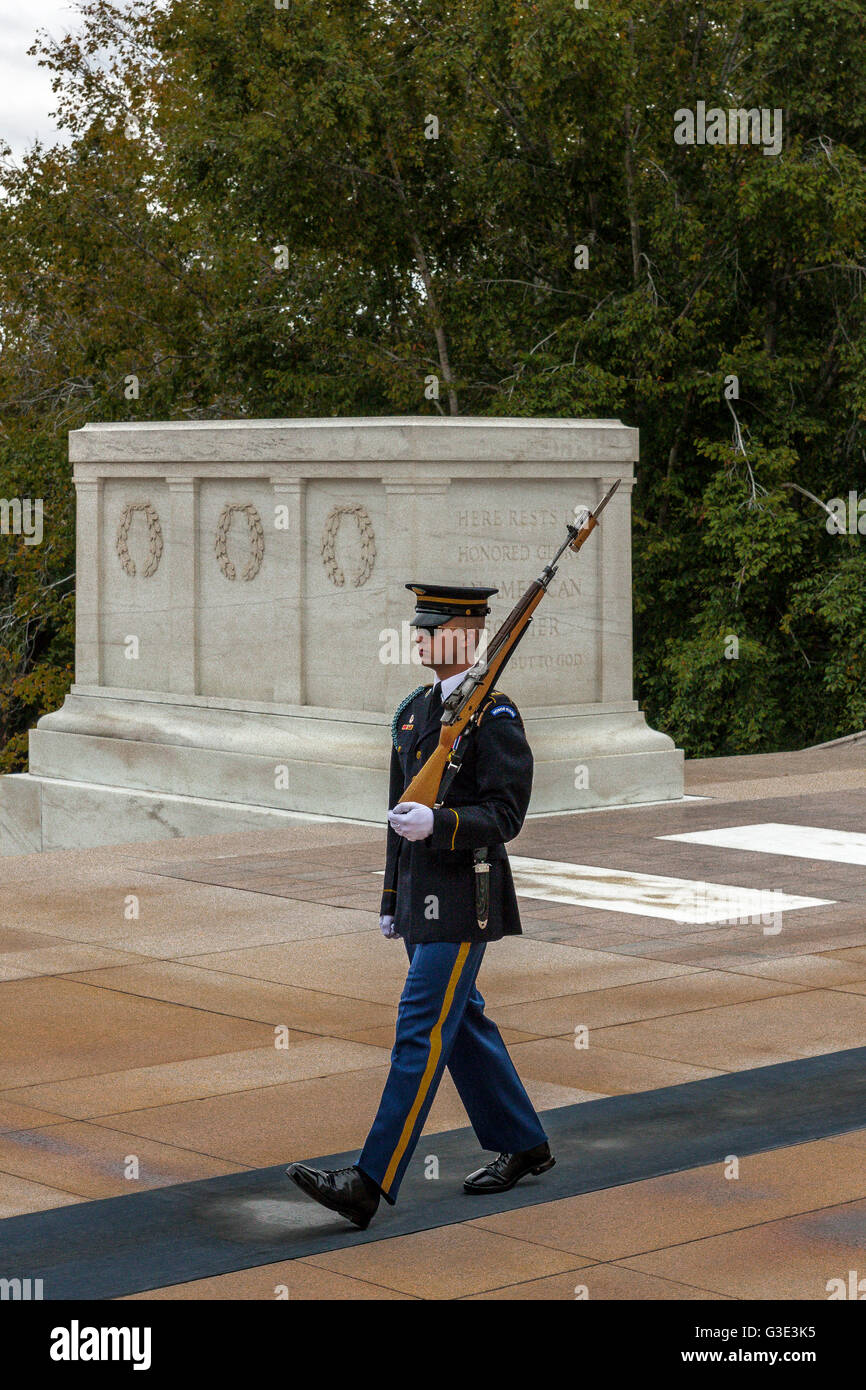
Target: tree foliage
[{"x": 202, "y": 137}]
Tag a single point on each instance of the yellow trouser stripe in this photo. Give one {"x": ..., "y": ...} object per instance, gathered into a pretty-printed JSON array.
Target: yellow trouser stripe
[{"x": 429, "y": 1070}]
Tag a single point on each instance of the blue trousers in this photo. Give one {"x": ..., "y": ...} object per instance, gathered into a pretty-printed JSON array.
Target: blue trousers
[{"x": 441, "y": 1022}]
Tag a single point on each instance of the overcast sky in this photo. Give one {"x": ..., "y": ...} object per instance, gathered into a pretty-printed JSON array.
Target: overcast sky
[{"x": 26, "y": 97}]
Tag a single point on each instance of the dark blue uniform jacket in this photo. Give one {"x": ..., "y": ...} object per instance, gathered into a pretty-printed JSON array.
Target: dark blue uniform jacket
[{"x": 430, "y": 884}]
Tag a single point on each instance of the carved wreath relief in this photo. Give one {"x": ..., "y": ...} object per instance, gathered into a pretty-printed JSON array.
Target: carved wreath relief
[
  {"x": 329, "y": 542},
  {"x": 257, "y": 539},
  {"x": 154, "y": 539}
]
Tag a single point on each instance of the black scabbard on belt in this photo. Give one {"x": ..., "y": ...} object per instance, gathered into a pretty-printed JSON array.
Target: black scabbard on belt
[
  {"x": 482, "y": 868},
  {"x": 482, "y": 886}
]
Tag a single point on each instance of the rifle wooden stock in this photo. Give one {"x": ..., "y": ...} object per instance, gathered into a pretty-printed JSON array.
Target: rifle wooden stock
[{"x": 424, "y": 786}]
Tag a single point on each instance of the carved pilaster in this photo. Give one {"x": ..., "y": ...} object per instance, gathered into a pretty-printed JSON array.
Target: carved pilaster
[
  {"x": 287, "y": 548},
  {"x": 88, "y": 580},
  {"x": 182, "y": 556},
  {"x": 615, "y": 639},
  {"x": 407, "y": 501}
]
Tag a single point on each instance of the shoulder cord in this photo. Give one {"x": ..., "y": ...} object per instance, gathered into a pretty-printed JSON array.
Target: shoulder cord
[{"x": 400, "y": 708}]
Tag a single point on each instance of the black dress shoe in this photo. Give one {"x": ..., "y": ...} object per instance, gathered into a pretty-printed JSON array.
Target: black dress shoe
[
  {"x": 508, "y": 1169},
  {"x": 345, "y": 1190}
]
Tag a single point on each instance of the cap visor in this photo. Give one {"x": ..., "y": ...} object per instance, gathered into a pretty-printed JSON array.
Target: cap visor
[{"x": 426, "y": 618}]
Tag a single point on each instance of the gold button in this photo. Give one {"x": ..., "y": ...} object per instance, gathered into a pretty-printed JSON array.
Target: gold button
[{"x": 417, "y": 755}]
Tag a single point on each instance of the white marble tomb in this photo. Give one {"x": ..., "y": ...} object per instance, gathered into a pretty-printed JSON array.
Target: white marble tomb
[{"x": 236, "y": 585}]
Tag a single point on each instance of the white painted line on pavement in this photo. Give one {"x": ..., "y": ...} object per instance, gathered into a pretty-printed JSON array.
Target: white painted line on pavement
[
  {"x": 650, "y": 895},
  {"x": 799, "y": 841}
]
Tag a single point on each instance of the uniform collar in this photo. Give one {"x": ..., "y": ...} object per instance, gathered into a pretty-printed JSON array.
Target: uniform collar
[{"x": 451, "y": 683}]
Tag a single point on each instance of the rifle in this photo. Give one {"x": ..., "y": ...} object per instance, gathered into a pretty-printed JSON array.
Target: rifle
[{"x": 460, "y": 711}]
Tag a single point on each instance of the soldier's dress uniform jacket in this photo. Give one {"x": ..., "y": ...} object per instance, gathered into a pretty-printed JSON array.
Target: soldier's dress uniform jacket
[{"x": 429, "y": 884}]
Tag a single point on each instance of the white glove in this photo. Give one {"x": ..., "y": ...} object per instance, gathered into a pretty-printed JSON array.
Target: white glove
[
  {"x": 411, "y": 820},
  {"x": 386, "y": 922}
]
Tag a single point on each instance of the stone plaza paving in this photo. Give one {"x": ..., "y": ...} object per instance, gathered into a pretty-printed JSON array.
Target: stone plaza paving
[{"x": 141, "y": 984}]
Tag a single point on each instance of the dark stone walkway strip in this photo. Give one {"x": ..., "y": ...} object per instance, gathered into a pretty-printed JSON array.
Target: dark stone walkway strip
[{"x": 170, "y": 1235}]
